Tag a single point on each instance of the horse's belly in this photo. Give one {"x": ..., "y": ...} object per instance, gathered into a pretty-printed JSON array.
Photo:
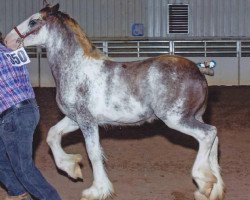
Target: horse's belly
[
  {"x": 117, "y": 105},
  {"x": 122, "y": 115},
  {"x": 107, "y": 118}
]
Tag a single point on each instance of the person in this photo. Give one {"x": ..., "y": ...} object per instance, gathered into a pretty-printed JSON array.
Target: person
[{"x": 19, "y": 116}]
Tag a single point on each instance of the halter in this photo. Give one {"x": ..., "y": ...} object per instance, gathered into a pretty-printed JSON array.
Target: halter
[{"x": 23, "y": 36}]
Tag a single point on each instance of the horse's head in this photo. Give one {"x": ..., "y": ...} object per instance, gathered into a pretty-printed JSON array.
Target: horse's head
[
  {"x": 50, "y": 28},
  {"x": 32, "y": 31}
]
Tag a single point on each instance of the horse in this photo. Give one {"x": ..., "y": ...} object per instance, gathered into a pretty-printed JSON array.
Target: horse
[{"x": 93, "y": 90}]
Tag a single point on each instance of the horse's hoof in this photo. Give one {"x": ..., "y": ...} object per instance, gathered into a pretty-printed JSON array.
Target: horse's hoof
[
  {"x": 97, "y": 193},
  {"x": 218, "y": 191},
  {"x": 77, "y": 172},
  {"x": 71, "y": 166},
  {"x": 199, "y": 196},
  {"x": 78, "y": 158}
]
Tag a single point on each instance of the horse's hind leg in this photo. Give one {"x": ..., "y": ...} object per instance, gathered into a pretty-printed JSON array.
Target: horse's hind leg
[
  {"x": 219, "y": 187},
  {"x": 205, "y": 171},
  {"x": 66, "y": 162}
]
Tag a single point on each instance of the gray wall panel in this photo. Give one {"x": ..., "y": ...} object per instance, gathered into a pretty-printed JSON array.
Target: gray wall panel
[
  {"x": 150, "y": 25},
  {"x": 104, "y": 20},
  {"x": 113, "y": 18},
  {"x": 119, "y": 11},
  {"x": 97, "y": 17},
  {"x": 3, "y": 16},
  {"x": 245, "y": 71}
]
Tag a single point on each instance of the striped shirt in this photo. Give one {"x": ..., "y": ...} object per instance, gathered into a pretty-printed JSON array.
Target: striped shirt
[{"x": 15, "y": 85}]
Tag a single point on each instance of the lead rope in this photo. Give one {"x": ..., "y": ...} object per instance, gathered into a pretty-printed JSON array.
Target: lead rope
[
  {"x": 21, "y": 37},
  {"x": 20, "y": 42}
]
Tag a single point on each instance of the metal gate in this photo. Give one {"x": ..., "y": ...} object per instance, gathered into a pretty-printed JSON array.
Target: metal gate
[{"x": 232, "y": 57}]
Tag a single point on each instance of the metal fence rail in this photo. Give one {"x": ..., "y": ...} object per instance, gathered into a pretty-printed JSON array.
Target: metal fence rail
[
  {"x": 232, "y": 57},
  {"x": 184, "y": 48},
  {"x": 144, "y": 49}
]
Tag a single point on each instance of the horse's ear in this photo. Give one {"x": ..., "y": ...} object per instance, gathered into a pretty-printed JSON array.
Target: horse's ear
[
  {"x": 54, "y": 9},
  {"x": 49, "y": 10},
  {"x": 46, "y": 3}
]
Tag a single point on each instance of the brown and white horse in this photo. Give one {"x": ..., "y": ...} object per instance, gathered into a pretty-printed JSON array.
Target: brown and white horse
[{"x": 92, "y": 90}]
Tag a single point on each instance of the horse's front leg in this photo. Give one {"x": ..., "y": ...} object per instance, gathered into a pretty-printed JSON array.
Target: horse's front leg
[
  {"x": 66, "y": 162},
  {"x": 101, "y": 187}
]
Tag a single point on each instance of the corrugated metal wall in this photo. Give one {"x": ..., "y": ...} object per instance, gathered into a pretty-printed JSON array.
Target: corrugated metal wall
[
  {"x": 208, "y": 18},
  {"x": 113, "y": 18},
  {"x": 220, "y": 18},
  {"x": 99, "y": 18}
]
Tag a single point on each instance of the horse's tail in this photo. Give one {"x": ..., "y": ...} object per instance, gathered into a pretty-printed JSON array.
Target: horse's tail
[
  {"x": 207, "y": 67},
  {"x": 206, "y": 71}
]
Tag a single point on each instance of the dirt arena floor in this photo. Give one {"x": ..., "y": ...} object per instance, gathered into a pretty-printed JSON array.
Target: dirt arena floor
[{"x": 153, "y": 162}]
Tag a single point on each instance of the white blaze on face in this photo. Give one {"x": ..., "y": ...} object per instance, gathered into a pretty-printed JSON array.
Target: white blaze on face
[{"x": 12, "y": 38}]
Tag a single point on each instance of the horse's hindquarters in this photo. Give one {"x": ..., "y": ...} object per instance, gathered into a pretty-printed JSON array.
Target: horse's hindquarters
[{"x": 177, "y": 90}]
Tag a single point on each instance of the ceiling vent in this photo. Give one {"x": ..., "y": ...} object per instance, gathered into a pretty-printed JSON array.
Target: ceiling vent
[{"x": 178, "y": 18}]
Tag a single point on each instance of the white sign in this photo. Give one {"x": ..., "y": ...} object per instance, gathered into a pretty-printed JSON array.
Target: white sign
[{"x": 18, "y": 57}]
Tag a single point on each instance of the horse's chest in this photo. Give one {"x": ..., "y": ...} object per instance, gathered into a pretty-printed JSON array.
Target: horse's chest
[
  {"x": 68, "y": 101},
  {"x": 65, "y": 104}
]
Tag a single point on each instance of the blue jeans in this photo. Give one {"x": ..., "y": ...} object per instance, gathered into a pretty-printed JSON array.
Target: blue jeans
[{"x": 17, "y": 170}]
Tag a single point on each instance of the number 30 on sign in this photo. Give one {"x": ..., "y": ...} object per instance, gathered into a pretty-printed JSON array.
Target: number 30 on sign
[{"x": 18, "y": 57}]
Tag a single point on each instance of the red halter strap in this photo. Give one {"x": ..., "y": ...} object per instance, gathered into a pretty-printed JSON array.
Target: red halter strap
[
  {"x": 27, "y": 34},
  {"x": 18, "y": 32}
]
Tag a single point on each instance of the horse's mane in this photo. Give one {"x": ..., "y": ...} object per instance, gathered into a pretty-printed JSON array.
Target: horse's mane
[{"x": 81, "y": 37}]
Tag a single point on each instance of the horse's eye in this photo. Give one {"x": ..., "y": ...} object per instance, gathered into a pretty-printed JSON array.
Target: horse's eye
[{"x": 32, "y": 23}]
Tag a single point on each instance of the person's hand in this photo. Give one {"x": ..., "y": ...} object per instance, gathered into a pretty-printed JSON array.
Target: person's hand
[{"x": 1, "y": 39}]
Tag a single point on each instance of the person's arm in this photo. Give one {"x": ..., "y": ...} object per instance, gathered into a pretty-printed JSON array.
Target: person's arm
[{"x": 1, "y": 39}]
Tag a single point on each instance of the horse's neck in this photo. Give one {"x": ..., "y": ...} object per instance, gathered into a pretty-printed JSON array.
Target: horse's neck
[
  {"x": 58, "y": 47},
  {"x": 59, "y": 51},
  {"x": 67, "y": 57}
]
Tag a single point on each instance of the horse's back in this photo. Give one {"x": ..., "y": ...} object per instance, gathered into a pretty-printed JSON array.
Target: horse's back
[
  {"x": 163, "y": 81},
  {"x": 167, "y": 70},
  {"x": 167, "y": 64}
]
